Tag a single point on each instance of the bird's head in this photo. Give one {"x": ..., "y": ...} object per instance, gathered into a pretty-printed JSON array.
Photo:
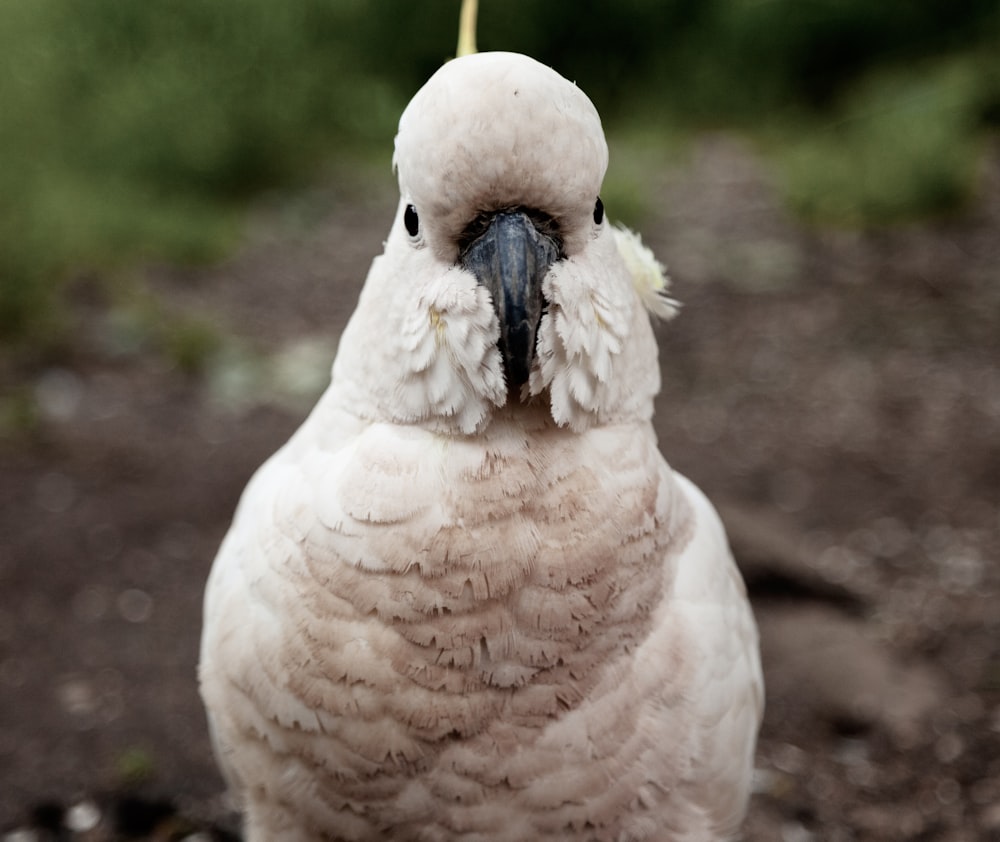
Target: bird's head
[{"x": 502, "y": 282}]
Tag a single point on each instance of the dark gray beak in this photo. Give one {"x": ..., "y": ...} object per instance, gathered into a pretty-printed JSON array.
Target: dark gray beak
[{"x": 510, "y": 258}]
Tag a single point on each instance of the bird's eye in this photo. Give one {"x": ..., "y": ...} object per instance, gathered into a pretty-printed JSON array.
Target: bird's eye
[
  {"x": 599, "y": 211},
  {"x": 411, "y": 221}
]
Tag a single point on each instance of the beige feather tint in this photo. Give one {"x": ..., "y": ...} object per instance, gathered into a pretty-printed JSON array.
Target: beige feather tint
[{"x": 452, "y": 610}]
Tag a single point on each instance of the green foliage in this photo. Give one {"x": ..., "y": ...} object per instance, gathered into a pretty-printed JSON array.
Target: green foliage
[
  {"x": 18, "y": 413},
  {"x": 192, "y": 343},
  {"x": 136, "y": 130},
  {"x": 140, "y": 129},
  {"x": 134, "y": 766},
  {"x": 905, "y": 145},
  {"x": 637, "y": 152}
]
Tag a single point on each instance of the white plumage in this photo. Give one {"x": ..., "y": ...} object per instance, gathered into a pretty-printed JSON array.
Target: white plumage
[{"x": 469, "y": 599}]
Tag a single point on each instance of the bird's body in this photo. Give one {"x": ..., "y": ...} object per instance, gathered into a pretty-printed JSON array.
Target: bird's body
[{"x": 464, "y": 603}]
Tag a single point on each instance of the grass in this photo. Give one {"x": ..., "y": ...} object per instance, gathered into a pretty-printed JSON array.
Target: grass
[
  {"x": 142, "y": 131},
  {"x": 137, "y": 131},
  {"x": 901, "y": 146}
]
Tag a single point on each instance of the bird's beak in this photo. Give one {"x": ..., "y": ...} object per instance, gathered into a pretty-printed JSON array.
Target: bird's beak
[{"x": 510, "y": 258}]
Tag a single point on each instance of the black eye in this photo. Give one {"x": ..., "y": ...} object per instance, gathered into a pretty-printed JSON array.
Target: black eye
[
  {"x": 411, "y": 221},
  {"x": 599, "y": 211}
]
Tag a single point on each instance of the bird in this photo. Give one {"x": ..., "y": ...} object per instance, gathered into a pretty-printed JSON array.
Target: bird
[{"x": 469, "y": 599}]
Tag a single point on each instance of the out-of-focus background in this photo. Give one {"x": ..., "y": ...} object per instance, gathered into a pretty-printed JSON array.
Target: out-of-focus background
[{"x": 191, "y": 194}]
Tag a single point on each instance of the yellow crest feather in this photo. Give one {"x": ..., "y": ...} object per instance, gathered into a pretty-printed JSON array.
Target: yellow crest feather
[
  {"x": 467, "y": 28},
  {"x": 649, "y": 276}
]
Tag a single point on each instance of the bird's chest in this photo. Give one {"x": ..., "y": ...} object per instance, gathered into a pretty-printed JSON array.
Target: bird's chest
[{"x": 474, "y": 568}]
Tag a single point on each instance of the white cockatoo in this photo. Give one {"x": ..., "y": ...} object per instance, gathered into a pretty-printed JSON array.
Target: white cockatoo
[{"x": 469, "y": 599}]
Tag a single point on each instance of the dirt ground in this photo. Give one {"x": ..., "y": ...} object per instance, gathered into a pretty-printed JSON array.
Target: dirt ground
[{"x": 836, "y": 393}]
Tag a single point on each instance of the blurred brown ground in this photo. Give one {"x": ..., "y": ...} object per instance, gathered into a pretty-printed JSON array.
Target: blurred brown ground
[{"x": 836, "y": 393}]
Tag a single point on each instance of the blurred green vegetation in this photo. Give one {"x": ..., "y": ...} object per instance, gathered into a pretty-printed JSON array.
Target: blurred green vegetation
[{"x": 141, "y": 130}]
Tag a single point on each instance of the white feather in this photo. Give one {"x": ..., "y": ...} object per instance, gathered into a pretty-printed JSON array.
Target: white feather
[{"x": 447, "y": 612}]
